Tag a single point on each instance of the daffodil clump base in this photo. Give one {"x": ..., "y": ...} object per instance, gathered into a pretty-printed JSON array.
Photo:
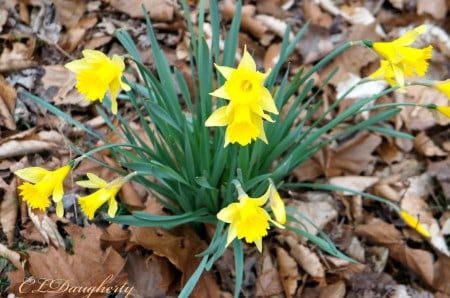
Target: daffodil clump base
[{"x": 220, "y": 152}]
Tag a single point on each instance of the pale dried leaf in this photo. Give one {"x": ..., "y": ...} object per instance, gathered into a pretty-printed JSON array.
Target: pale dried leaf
[
  {"x": 358, "y": 183},
  {"x": 19, "y": 57},
  {"x": 426, "y": 146},
  {"x": 436, "y": 8},
  {"x": 10, "y": 255},
  {"x": 288, "y": 271},
  {"x": 268, "y": 283},
  {"x": 46, "y": 227},
  {"x": 336, "y": 290},
  {"x": 318, "y": 207},
  {"x": 9, "y": 209},
  {"x": 249, "y": 23},
  {"x": 309, "y": 261},
  {"x": 8, "y": 98},
  {"x": 159, "y": 10},
  {"x": 357, "y": 15},
  {"x": 361, "y": 91},
  {"x": 398, "y": 3},
  {"x": 70, "y": 11}
]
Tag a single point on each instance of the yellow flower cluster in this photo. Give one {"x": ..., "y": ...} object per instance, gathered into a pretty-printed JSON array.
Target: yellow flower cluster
[
  {"x": 249, "y": 100},
  {"x": 249, "y": 220},
  {"x": 42, "y": 183}
]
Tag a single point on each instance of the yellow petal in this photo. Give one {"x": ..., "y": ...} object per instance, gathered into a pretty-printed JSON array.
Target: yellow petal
[
  {"x": 90, "y": 203},
  {"x": 229, "y": 214},
  {"x": 414, "y": 223},
  {"x": 32, "y": 174},
  {"x": 112, "y": 209},
  {"x": 444, "y": 110},
  {"x": 60, "y": 209},
  {"x": 218, "y": 118},
  {"x": 93, "y": 182},
  {"x": 267, "y": 102},
  {"x": 258, "y": 244},
  {"x": 277, "y": 205},
  {"x": 409, "y": 37},
  {"x": 247, "y": 61},
  {"x": 443, "y": 86},
  {"x": 220, "y": 92},
  {"x": 114, "y": 86},
  {"x": 94, "y": 56},
  {"x": 34, "y": 197},
  {"x": 225, "y": 71}
]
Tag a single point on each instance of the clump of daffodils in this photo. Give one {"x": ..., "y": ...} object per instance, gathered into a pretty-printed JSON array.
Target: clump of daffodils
[
  {"x": 97, "y": 74},
  {"x": 248, "y": 102},
  {"x": 249, "y": 220}
]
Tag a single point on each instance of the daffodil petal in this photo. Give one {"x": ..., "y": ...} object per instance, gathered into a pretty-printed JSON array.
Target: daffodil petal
[
  {"x": 218, "y": 118},
  {"x": 224, "y": 70},
  {"x": 220, "y": 93},
  {"x": 409, "y": 37},
  {"x": 247, "y": 61},
  {"x": 32, "y": 174}
]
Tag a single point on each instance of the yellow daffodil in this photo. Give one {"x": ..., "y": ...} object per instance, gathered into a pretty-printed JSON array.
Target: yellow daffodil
[
  {"x": 248, "y": 219},
  {"x": 385, "y": 72},
  {"x": 414, "y": 223},
  {"x": 277, "y": 204},
  {"x": 403, "y": 59},
  {"x": 97, "y": 74},
  {"x": 107, "y": 193},
  {"x": 444, "y": 110},
  {"x": 443, "y": 86},
  {"x": 41, "y": 184},
  {"x": 249, "y": 100}
]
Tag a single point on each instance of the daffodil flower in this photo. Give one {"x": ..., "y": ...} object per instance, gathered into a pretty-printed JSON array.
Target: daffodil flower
[
  {"x": 404, "y": 60},
  {"x": 97, "y": 74},
  {"x": 249, "y": 102},
  {"x": 41, "y": 184},
  {"x": 277, "y": 204},
  {"x": 248, "y": 219},
  {"x": 106, "y": 193},
  {"x": 443, "y": 86},
  {"x": 414, "y": 223}
]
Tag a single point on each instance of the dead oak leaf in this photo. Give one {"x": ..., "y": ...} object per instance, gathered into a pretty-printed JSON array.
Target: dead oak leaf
[
  {"x": 381, "y": 233},
  {"x": 180, "y": 246},
  {"x": 8, "y": 98}
]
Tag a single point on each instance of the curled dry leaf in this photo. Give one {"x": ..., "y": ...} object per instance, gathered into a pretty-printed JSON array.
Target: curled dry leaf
[
  {"x": 288, "y": 271},
  {"x": 318, "y": 207},
  {"x": 426, "y": 146},
  {"x": 180, "y": 246},
  {"x": 46, "y": 227},
  {"x": 9, "y": 209},
  {"x": 20, "y": 56},
  {"x": 358, "y": 183},
  {"x": 159, "y": 10},
  {"x": 249, "y": 23},
  {"x": 70, "y": 11},
  {"x": 381, "y": 233},
  {"x": 307, "y": 259},
  {"x": 11, "y": 256},
  {"x": 436, "y": 8},
  {"x": 114, "y": 236},
  {"x": 8, "y": 98},
  {"x": 268, "y": 283}
]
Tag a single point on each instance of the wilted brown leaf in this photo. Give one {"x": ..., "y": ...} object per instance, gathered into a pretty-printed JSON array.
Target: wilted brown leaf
[
  {"x": 358, "y": 183},
  {"x": 288, "y": 271},
  {"x": 381, "y": 233},
  {"x": 150, "y": 275},
  {"x": 7, "y": 104},
  {"x": 436, "y": 8},
  {"x": 19, "y": 56},
  {"x": 46, "y": 227},
  {"x": 307, "y": 259},
  {"x": 248, "y": 22},
  {"x": 268, "y": 283},
  {"x": 180, "y": 246},
  {"x": 159, "y": 10},
  {"x": 70, "y": 11},
  {"x": 115, "y": 237},
  {"x": 9, "y": 209},
  {"x": 426, "y": 146}
]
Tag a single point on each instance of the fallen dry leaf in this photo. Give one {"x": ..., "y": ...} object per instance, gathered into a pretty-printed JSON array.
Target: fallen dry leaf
[
  {"x": 46, "y": 227},
  {"x": 306, "y": 259},
  {"x": 20, "y": 56},
  {"x": 442, "y": 274},
  {"x": 335, "y": 290},
  {"x": 436, "y": 8},
  {"x": 381, "y": 233},
  {"x": 70, "y": 11},
  {"x": 288, "y": 271},
  {"x": 150, "y": 275},
  {"x": 358, "y": 183},
  {"x": 441, "y": 171},
  {"x": 268, "y": 283},
  {"x": 249, "y": 23},
  {"x": 11, "y": 256},
  {"x": 180, "y": 246},
  {"x": 115, "y": 236},
  {"x": 318, "y": 207},
  {"x": 159, "y": 10},
  {"x": 9, "y": 209},
  {"x": 426, "y": 146},
  {"x": 8, "y": 98}
]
